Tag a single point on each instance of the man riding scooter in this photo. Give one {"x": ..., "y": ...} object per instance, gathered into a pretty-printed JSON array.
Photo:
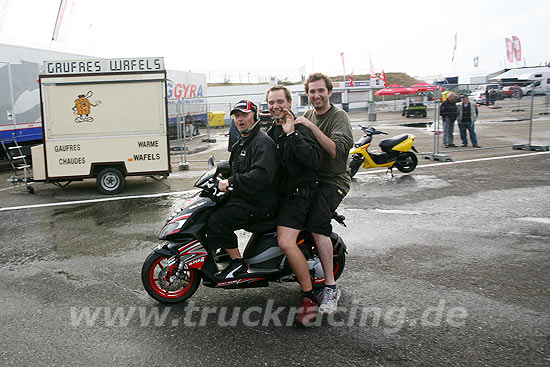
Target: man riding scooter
[
  {"x": 253, "y": 186},
  {"x": 300, "y": 157}
]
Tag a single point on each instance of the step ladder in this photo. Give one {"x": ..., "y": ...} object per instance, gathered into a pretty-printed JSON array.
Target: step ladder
[{"x": 18, "y": 162}]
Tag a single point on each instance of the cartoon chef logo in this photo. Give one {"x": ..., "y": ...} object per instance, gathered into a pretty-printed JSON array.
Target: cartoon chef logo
[{"x": 82, "y": 107}]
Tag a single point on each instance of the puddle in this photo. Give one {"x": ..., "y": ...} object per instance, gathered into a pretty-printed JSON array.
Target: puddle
[
  {"x": 105, "y": 228},
  {"x": 376, "y": 185},
  {"x": 421, "y": 125}
]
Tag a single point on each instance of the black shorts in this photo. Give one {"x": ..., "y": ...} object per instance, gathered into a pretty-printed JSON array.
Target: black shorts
[
  {"x": 322, "y": 207},
  {"x": 295, "y": 207}
]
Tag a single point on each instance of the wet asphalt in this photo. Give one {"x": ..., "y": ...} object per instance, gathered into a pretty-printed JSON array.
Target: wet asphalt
[{"x": 447, "y": 265}]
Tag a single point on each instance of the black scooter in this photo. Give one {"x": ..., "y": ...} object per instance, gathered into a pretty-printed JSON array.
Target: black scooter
[{"x": 173, "y": 271}]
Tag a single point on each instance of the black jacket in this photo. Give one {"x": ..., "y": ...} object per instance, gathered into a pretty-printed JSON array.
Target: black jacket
[
  {"x": 300, "y": 156},
  {"x": 233, "y": 135},
  {"x": 448, "y": 109},
  {"x": 254, "y": 169}
]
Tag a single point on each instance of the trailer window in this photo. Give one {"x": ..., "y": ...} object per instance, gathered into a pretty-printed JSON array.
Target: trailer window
[{"x": 336, "y": 97}]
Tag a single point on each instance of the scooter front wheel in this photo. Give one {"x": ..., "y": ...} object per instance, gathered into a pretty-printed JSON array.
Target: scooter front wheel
[
  {"x": 407, "y": 163},
  {"x": 354, "y": 165},
  {"x": 160, "y": 281}
]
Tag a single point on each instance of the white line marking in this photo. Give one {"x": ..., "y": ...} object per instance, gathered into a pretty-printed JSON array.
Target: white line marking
[
  {"x": 397, "y": 211},
  {"x": 189, "y": 193},
  {"x": 458, "y": 162},
  {"x": 536, "y": 220}
]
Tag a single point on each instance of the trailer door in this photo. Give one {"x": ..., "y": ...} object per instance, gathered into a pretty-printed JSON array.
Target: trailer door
[{"x": 7, "y": 115}]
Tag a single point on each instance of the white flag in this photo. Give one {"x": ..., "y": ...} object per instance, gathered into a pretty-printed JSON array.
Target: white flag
[{"x": 3, "y": 11}]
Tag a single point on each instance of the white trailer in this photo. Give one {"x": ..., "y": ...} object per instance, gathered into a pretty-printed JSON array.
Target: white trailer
[{"x": 103, "y": 119}]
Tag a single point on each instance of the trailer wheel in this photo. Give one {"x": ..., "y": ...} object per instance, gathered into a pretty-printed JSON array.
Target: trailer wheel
[{"x": 110, "y": 181}]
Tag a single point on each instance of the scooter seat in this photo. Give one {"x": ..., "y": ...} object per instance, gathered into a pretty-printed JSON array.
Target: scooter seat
[
  {"x": 269, "y": 225},
  {"x": 387, "y": 144}
]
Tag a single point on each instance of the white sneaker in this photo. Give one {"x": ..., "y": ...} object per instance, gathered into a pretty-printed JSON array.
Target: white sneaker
[{"x": 329, "y": 303}]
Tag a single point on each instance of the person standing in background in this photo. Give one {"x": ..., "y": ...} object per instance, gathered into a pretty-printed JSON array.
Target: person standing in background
[
  {"x": 448, "y": 112},
  {"x": 467, "y": 116}
]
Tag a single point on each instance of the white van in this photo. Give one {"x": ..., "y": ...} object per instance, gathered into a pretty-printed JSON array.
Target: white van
[{"x": 535, "y": 83}]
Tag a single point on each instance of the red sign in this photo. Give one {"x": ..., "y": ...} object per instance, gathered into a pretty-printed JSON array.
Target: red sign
[{"x": 509, "y": 50}]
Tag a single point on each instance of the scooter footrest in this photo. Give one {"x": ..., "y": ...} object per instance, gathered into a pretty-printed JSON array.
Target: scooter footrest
[{"x": 380, "y": 157}]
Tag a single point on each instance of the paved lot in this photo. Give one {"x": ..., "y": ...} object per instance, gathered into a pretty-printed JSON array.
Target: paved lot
[{"x": 447, "y": 265}]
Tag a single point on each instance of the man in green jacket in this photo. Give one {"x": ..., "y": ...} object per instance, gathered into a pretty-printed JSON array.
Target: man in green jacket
[{"x": 332, "y": 129}]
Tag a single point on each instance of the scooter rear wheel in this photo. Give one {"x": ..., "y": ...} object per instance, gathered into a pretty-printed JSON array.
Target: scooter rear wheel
[
  {"x": 160, "y": 282},
  {"x": 408, "y": 163},
  {"x": 339, "y": 263}
]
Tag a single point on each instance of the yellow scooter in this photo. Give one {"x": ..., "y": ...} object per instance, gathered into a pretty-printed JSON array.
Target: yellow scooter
[{"x": 395, "y": 152}]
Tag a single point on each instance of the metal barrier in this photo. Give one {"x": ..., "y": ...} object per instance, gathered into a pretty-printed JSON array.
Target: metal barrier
[
  {"x": 189, "y": 120},
  {"x": 510, "y": 105},
  {"x": 495, "y": 104}
]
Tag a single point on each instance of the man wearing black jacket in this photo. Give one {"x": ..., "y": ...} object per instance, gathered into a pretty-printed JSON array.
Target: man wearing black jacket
[
  {"x": 449, "y": 112},
  {"x": 253, "y": 182},
  {"x": 300, "y": 157}
]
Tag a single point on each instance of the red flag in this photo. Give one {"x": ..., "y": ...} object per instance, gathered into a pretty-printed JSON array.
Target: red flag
[
  {"x": 509, "y": 50},
  {"x": 343, "y": 65},
  {"x": 517, "y": 48},
  {"x": 372, "y": 73},
  {"x": 383, "y": 78},
  {"x": 351, "y": 80}
]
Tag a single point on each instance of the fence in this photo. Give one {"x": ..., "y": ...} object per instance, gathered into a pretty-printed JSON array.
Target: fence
[{"x": 495, "y": 104}]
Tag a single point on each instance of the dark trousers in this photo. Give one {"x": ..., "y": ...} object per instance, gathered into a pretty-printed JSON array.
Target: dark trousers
[
  {"x": 467, "y": 127},
  {"x": 448, "y": 129},
  {"x": 223, "y": 223}
]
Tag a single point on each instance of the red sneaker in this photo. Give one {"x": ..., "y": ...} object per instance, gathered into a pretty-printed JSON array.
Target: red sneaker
[{"x": 307, "y": 312}]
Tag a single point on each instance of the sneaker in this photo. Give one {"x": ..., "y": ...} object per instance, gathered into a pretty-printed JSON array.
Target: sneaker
[
  {"x": 445, "y": 146},
  {"x": 464, "y": 145},
  {"x": 307, "y": 312},
  {"x": 453, "y": 145},
  {"x": 476, "y": 146},
  {"x": 235, "y": 268},
  {"x": 330, "y": 300}
]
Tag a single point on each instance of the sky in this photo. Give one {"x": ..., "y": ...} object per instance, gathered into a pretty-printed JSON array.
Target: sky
[{"x": 246, "y": 40}]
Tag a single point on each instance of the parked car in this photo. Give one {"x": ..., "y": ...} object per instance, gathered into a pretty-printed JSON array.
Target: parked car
[
  {"x": 512, "y": 91},
  {"x": 479, "y": 97},
  {"x": 490, "y": 87},
  {"x": 266, "y": 120}
]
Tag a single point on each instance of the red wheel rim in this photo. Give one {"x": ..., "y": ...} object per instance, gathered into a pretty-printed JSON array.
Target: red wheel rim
[{"x": 164, "y": 293}]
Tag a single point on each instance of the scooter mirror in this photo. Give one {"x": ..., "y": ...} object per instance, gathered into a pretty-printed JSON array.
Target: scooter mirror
[
  {"x": 211, "y": 162},
  {"x": 224, "y": 168}
]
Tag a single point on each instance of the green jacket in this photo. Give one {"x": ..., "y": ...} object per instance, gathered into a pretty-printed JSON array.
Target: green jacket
[{"x": 336, "y": 125}]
